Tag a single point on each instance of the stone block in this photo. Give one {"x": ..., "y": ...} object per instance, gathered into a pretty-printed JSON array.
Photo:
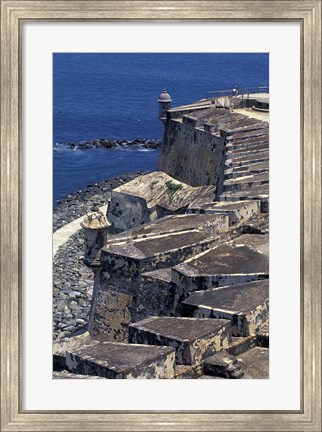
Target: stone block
[
  {"x": 238, "y": 212},
  {"x": 193, "y": 339},
  {"x": 212, "y": 222},
  {"x": 149, "y": 197},
  {"x": 61, "y": 347},
  {"x": 188, "y": 371},
  {"x": 239, "y": 345},
  {"x": 223, "y": 365},
  {"x": 246, "y": 305},
  {"x": 157, "y": 295},
  {"x": 246, "y": 182},
  {"x": 255, "y": 363},
  {"x": 122, "y": 361},
  {"x": 223, "y": 265},
  {"x": 260, "y": 242},
  {"x": 132, "y": 257},
  {"x": 262, "y": 337}
]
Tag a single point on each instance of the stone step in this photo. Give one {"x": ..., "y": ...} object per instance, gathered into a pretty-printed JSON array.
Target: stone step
[
  {"x": 246, "y": 305},
  {"x": 223, "y": 365},
  {"x": 123, "y": 295},
  {"x": 260, "y": 242},
  {"x": 246, "y": 182},
  {"x": 258, "y": 225},
  {"x": 233, "y": 154},
  {"x": 239, "y": 124},
  {"x": 259, "y": 193},
  {"x": 247, "y": 160},
  {"x": 256, "y": 168},
  {"x": 248, "y": 144},
  {"x": 214, "y": 224},
  {"x": 193, "y": 339},
  {"x": 188, "y": 371},
  {"x": 240, "y": 345},
  {"x": 246, "y": 135},
  {"x": 221, "y": 266},
  {"x": 251, "y": 125},
  {"x": 253, "y": 166},
  {"x": 255, "y": 363},
  {"x": 238, "y": 212},
  {"x": 249, "y": 141},
  {"x": 122, "y": 361},
  {"x": 66, "y": 344},
  {"x": 132, "y": 257}
]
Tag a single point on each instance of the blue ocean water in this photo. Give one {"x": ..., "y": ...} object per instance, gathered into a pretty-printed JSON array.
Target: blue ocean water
[{"x": 114, "y": 96}]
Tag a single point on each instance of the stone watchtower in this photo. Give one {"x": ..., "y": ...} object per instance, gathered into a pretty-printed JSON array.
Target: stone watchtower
[
  {"x": 164, "y": 104},
  {"x": 95, "y": 225}
]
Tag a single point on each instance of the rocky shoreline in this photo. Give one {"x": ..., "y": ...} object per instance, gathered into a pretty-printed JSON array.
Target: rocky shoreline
[
  {"x": 77, "y": 204},
  {"x": 72, "y": 281},
  {"x": 108, "y": 143}
]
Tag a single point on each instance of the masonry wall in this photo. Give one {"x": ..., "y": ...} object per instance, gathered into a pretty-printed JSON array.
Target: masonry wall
[{"x": 192, "y": 155}]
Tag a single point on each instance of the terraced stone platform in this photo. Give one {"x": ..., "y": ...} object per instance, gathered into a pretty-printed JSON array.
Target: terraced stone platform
[
  {"x": 150, "y": 197},
  {"x": 255, "y": 363},
  {"x": 122, "y": 361},
  {"x": 182, "y": 290},
  {"x": 238, "y": 212},
  {"x": 193, "y": 339},
  {"x": 260, "y": 242},
  {"x": 246, "y": 305},
  {"x": 224, "y": 265}
]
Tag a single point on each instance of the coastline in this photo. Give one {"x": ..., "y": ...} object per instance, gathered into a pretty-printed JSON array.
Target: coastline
[
  {"x": 110, "y": 143},
  {"x": 72, "y": 280}
]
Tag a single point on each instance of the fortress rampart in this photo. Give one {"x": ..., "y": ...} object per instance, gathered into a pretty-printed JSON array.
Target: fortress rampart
[{"x": 181, "y": 285}]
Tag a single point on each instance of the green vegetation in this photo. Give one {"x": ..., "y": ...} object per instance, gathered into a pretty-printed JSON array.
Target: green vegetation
[
  {"x": 153, "y": 183},
  {"x": 173, "y": 188}
]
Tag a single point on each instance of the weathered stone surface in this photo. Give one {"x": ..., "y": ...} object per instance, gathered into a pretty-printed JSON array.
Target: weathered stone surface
[
  {"x": 246, "y": 305},
  {"x": 212, "y": 223},
  {"x": 258, "y": 225},
  {"x": 260, "y": 242},
  {"x": 245, "y": 182},
  {"x": 193, "y": 339},
  {"x": 223, "y": 365},
  {"x": 259, "y": 193},
  {"x": 255, "y": 363},
  {"x": 239, "y": 345},
  {"x": 263, "y": 337},
  {"x": 60, "y": 348},
  {"x": 190, "y": 152},
  {"x": 157, "y": 294},
  {"x": 118, "y": 300},
  {"x": 238, "y": 212},
  {"x": 129, "y": 258},
  {"x": 188, "y": 371},
  {"x": 223, "y": 265},
  {"x": 149, "y": 197},
  {"x": 122, "y": 361}
]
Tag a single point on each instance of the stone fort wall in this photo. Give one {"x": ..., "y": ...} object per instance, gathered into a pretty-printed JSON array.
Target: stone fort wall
[{"x": 190, "y": 153}]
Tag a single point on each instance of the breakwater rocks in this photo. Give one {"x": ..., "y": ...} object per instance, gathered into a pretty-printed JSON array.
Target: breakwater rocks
[
  {"x": 77, "y": 204},
  {"x": 108, "y": 143},
  {"x": 72, "y": 287}
]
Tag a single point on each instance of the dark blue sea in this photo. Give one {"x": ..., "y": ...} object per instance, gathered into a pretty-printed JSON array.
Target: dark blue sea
[{"x": 114, "y": 96}]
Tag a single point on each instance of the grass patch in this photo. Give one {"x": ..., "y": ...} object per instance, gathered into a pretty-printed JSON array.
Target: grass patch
[{"x": 173, "y": 188}]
